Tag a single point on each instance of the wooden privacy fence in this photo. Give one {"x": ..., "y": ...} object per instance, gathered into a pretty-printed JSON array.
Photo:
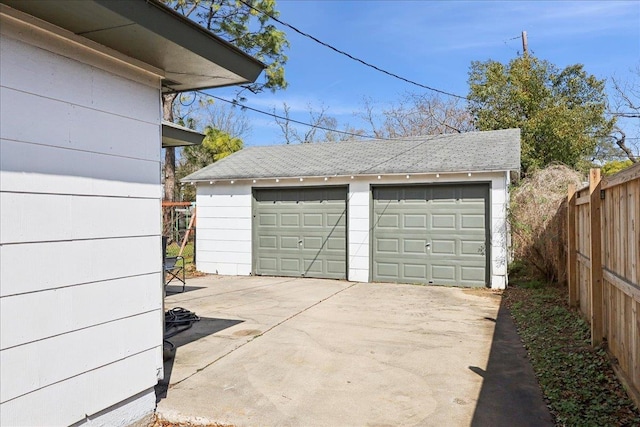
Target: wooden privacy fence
[{"x": 603, "y": 262}]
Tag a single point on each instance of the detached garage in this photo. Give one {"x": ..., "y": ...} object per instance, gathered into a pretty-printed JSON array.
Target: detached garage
[{"x": 428, "y": 210}]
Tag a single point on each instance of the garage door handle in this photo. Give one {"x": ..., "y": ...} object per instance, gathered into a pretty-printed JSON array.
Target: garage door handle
[
  {"x": 299, "y": 242},
  {"x": 428, "y": 245}
]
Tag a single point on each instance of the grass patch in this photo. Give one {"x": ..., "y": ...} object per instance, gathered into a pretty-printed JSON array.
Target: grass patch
[{"x": 577, "y": 381}]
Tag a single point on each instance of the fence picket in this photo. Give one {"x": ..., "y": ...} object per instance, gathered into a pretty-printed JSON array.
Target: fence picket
[{"x": 603, "y": 262}]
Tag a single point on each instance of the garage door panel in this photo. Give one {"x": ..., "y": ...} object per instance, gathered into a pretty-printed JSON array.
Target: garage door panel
[
  {"x": 415, "y": 272},
  {"x": 443, "y": 247},
  {"x": 471, "y": 193},
  {"x": 443, "y": 221},
  {"x": 418, "y": 221},
  {"x": 440, "y": 241},
  {"x": 310, "y": 231},
  {"x": 336, "y": 267},
  {"x": 312, "y": 267},
  {"x": 414, "y": 246},
  {"x": 472, "y": 221},
  {"x": 268, "y": 264},
  {"x": 290, "y": 265},
  {"x": 472, "y": 273},
  {"x": 472, "y": 248},
  {"x": 387, "y": 245},
  {"x": 336, "y": 244},
  {"x": 312, "y": 220},
  {"x": 312, "y": 242},
  {"x": 289, "y": 220},
  {"x": 385, "y": 194},
  {"x": 289, "y": 242},
  {"x": 443, "y": 272},
  {"x": 336, "y": 219},
  {"x": 388, "y": 221},
  {"x": 268, "y": 220},
  {"x": 268, "y": 242},
  {"x": 444, "y": 194},
  {"x": 387, "y": 270}
]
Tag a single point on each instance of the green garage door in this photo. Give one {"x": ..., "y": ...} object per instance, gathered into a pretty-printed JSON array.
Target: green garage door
[
  {"x": 300, "y": 232},
  {"x": 431, "y": 234}
]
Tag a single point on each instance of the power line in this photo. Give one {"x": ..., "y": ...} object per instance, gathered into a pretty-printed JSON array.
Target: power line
[
  {"x": 341, "y": 52},
  {"x": 266, "y": 113}
]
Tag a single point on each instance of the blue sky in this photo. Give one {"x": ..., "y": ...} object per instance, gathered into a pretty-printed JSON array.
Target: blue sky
[{"x": 434, "y": 43}]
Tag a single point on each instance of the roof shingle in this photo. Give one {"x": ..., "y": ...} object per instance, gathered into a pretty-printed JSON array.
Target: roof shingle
[{"x": 497, "y": 150}]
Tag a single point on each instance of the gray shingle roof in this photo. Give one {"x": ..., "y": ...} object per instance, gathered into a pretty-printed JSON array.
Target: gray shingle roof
[{"x": 465, "y": 152}]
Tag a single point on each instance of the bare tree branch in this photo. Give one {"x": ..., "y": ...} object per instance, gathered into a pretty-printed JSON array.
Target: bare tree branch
[{"x": 620, "y": 141}]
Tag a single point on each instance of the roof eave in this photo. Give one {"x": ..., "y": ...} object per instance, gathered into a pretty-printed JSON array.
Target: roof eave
[
  {"x": 342, "y": 176},
  {"x": 146, "y": 30},
  {"x": 174, "y": 135}
]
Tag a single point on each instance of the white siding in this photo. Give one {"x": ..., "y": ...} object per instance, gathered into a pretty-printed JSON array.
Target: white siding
[
  {"x": 499, "y": 198},
  {"x": 80, "y": 247},
  {"x": 358, "y": 230},
  {"x": 224, "y": 221},
  {"x": 224, "y": 229}
]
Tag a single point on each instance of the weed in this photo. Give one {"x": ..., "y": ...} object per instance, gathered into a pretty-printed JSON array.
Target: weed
[{"x": 577, "y": 380}]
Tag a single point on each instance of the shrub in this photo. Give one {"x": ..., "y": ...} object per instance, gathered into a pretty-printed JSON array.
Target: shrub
[{"x": 537, "y": 217}]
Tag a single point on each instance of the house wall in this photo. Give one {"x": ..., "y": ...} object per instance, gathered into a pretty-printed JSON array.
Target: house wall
[
  {"x": 224, "y": 221},
  {"x": 80, "y": 247}
]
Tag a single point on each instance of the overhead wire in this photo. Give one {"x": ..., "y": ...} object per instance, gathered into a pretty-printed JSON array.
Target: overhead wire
[
  {"x": 348, "y": 55},
  {"x": 245, "y": 107}
]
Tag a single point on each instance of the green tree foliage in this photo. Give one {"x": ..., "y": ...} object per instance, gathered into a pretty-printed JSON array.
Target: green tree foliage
[
  {"x": 240, "y": 23},
  {"x": 615, "y": 166},
  {"x": 217, "y": 144},
  {"x": 561, "y": 112}
]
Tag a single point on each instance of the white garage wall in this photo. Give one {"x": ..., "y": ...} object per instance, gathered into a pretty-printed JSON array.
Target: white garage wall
[
  {"x": 224, "y": 220},
  {"x": 223, "y": 237},
  {"x": 80, "y": 247}
]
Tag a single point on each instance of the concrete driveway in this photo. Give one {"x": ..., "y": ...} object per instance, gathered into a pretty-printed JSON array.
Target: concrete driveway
[{"x": 308, "y": 352}]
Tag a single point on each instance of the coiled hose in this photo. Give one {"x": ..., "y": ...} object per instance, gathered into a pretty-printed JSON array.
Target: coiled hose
[{"x": 178, "y": 320}]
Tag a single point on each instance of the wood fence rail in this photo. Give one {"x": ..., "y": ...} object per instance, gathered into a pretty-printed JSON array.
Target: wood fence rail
[{"x": 602, "y": 266}]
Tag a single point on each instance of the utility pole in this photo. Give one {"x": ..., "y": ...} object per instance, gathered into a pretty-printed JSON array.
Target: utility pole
[{"x": 525, "y": 45}]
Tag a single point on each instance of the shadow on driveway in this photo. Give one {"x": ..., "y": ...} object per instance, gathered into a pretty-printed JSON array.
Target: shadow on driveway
[
  {"x": 510, "y": 394},
  {"x": 204, "y": 327}
]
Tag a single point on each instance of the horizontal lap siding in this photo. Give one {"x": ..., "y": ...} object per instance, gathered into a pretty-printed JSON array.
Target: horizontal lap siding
[
  {"x": 83, "y": 394},
  {"x": 80, "y": 245},
  {"x": 100, "y": 345},
  {"x": 224, "y": 229},
  {"x": 358, "y": 231},
  {"x": 58, "y": 170},
  {"x": 41, "y": 266}
]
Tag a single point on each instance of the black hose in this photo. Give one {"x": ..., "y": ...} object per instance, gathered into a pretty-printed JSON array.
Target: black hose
[{"x": 178, "y": 320}]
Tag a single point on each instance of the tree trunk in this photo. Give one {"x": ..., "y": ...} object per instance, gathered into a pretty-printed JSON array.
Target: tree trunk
[
  {"x": 170, "y": 153},
  {"x": 169, "y": 171}
]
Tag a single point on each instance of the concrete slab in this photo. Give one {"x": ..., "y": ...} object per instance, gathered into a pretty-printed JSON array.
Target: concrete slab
[{"x": 310, "y": 352}]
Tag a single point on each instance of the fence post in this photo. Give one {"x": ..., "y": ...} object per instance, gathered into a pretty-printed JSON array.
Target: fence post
[
  {"x": 572, "y": 281},
  {"x": 195, "y": 237},
  {"x": 597, "y": 328}
]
